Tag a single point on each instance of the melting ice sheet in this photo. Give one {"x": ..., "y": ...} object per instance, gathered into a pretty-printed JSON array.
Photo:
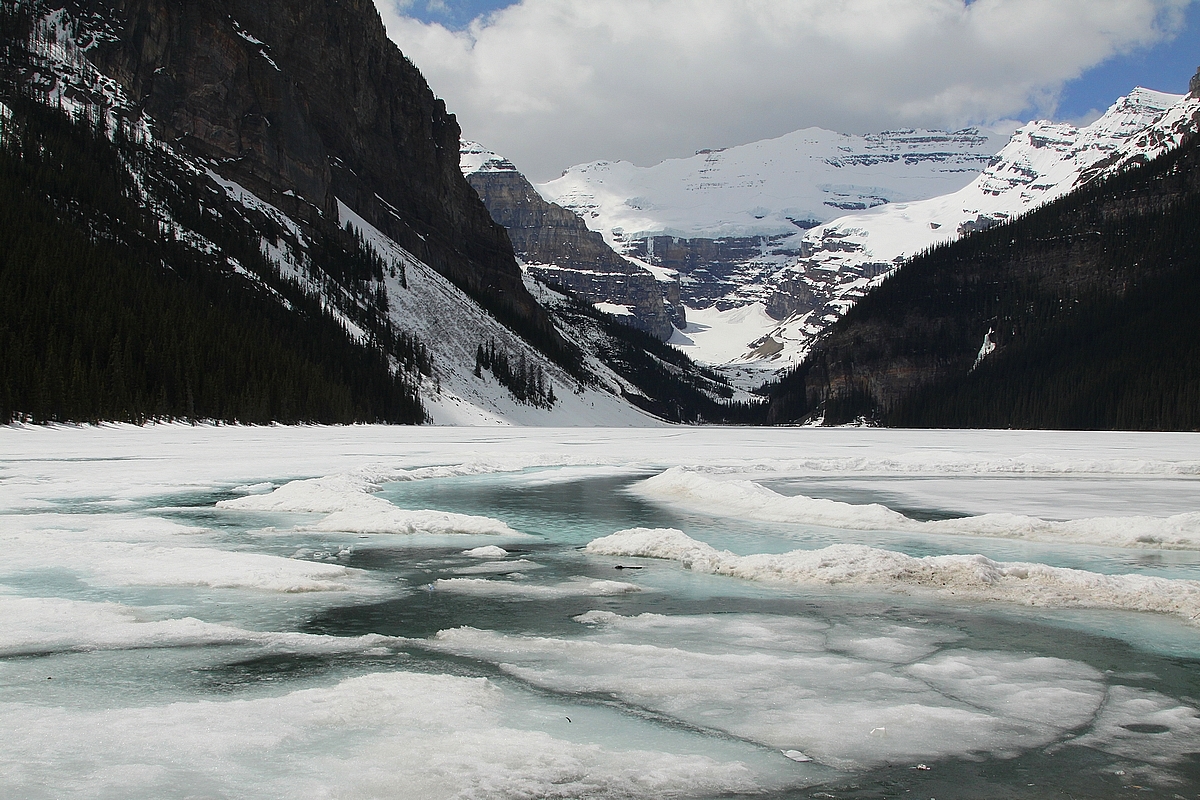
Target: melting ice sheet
[
  {"x": 847, "y": 696},
  {"x": 411, "y": 613}
]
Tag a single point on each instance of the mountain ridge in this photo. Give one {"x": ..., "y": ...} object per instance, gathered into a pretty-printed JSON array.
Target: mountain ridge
[{"x": 312, "y": 102}]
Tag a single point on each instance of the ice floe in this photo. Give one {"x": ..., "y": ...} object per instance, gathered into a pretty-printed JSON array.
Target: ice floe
[
  {"x": 696, "y": 491},
  {"x": 840, "y": 710},
  {"x": 972, "y": 577},
  {"x": 499, "y": 567},
  {"x": 41, "y": 625},
  {"x": 381, "y": 735},
  {"x": 351, "y": 508},
  {"x": 116, "y": 564}
]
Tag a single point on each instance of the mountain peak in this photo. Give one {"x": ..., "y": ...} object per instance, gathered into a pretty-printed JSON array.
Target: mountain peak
[
  {"x": 1194, "y": 86},
  {"x": 474, "y": 157}
]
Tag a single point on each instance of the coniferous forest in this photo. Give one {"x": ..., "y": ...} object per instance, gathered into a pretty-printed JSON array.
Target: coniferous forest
[{"x": 1090, "y": 305}]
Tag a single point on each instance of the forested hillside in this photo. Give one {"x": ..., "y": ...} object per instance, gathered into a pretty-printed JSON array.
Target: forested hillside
[
  {"x": 105, "y": 315},
  {"x": 1082, "y": 315}
]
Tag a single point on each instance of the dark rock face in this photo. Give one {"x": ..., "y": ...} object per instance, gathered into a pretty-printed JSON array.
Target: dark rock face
[
  {"x": 1194, "y": 86},
  {"x": 557, "y": 246},
  {"x": 708, "y": 268},
  {"x": 306, "y": 102}
]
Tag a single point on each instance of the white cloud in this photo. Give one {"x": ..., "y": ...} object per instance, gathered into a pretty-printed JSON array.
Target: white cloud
[{"x": 551, "y": 83}]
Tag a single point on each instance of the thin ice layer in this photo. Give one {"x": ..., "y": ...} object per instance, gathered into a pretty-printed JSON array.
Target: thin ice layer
[
  {"x": 41, "y": 625},
  {"x": 971, "y": 577},
  {"x": 384, "y": 735},
  {"x": 119, "y": 564},
  {"x": 521, "y": 590},
  {"x": 493, "y": 567},
  {"x": 748, "y": 500},
  {"x": 844, "y": 696},
  {"x": 1146, "y": 725}
]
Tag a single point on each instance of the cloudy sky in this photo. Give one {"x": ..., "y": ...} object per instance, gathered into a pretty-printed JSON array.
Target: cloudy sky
[{"x": 552, "y": 83}]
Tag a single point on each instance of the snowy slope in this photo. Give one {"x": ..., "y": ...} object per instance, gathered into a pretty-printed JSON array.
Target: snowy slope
[
  {"x": 838, "y": 262},
  {"x": 453, "y": 325},
  {"x": 474, "y": 157},
  {"x": 771, "y": 187}
]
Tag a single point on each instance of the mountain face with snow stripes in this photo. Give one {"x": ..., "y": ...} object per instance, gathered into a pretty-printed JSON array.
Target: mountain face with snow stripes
[
  {"x": 770, "y": 188},
  {"x": 1042, "y": 162}
]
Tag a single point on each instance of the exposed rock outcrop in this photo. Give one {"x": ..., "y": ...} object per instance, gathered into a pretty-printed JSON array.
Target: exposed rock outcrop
[{"x": 557, "y": 246}]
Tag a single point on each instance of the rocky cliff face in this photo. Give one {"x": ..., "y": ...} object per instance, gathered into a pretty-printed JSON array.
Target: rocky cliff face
[
  {"x": 557, "y": 246},
  {"x": 306, "y": 102}
]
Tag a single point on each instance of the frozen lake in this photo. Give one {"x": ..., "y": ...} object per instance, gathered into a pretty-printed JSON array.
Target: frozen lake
[{"x": 375, "y": 612}]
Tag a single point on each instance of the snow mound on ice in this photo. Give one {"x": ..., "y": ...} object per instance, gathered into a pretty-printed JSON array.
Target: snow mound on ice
[
  {"x": 324, "y": 495},
  {"x": 351, "y": 508},
  {"x": 487, "y": 551},
  {"x": 386, "y": 518},
  {"x": 965, "y": 576},
  {"x": 748, "y": 500}
]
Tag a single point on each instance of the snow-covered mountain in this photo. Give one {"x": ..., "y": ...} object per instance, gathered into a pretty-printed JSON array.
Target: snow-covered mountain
[
  {"x": 772, "y": 187},
  {"x": 1077, "y": 314},
  {"x": 1042, "y": 162},
  {"x": 766, "y": 259}
]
